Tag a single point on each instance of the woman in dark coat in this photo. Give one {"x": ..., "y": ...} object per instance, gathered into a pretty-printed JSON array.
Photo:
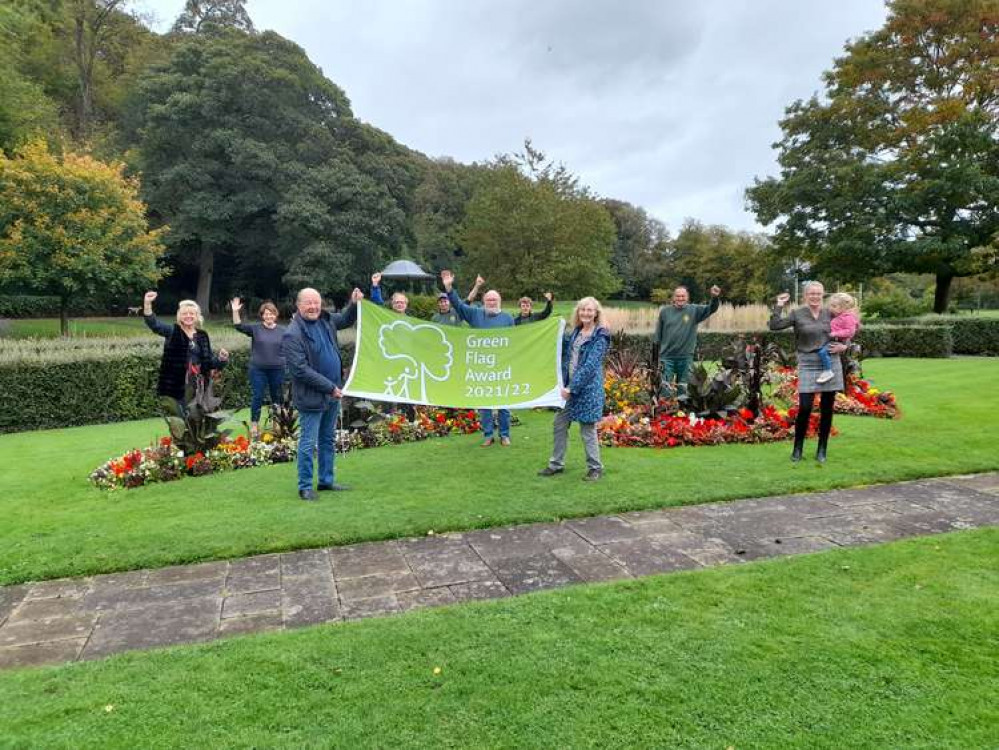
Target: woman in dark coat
[
  {"x": 583, "y": 352},
  {"x": 187, "y": 353},
  {"x": 811, "y": 331}
]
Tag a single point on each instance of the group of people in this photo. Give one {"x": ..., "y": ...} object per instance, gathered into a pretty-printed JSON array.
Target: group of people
[{"x": 306, "y": 350}]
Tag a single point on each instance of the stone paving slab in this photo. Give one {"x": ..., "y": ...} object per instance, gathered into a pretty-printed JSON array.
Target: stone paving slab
[{"x": 93, "y": 617}]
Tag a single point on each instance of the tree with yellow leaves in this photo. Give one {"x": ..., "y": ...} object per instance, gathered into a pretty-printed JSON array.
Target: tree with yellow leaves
[{"x": 72, "y": 227}]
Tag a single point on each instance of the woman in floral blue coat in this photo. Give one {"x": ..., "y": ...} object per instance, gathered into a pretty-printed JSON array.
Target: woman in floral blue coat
[{"x": 583, "y": 352}]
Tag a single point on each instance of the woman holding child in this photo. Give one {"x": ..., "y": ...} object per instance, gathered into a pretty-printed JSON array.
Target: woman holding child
[{"x": 812, "y": 325}]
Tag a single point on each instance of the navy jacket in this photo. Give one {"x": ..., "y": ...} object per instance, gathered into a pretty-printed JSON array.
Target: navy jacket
[
  {"x": 311, "y": 390},
  {"x": 586, "y": 402}
]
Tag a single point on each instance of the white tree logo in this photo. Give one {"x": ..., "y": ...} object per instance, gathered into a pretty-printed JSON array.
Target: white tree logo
[{"x": 421, "y": 352}]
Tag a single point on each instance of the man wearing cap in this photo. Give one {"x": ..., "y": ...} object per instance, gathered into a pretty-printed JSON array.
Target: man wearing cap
[{"x": 445, "y": 315}]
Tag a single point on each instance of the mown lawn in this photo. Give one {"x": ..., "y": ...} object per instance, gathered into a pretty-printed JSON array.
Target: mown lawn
[
  {"x": 53, "y": 523},
  {"x": 23, "y": 328},
  {"x": 885, "y": 647}
]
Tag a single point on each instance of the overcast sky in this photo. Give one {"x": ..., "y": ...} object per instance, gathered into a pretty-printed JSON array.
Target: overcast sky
[{"x": 667, "y": 104}]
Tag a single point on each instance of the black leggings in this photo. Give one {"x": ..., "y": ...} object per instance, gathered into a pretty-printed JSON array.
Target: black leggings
[{"x": 805, "y": 401}]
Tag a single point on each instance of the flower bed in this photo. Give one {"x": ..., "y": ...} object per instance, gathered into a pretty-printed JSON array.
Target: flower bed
[
  {"x": 635, "y": 427},
  {"x": 621, "y": 392},
  {"x": 165, "y": 462},
  {"x": 860, "y": 397},
  {"x": 429, "y": 422}
]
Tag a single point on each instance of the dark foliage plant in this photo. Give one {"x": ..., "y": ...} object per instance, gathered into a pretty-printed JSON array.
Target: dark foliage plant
[
  {"x": 712, "y": 396},
  {"x": 196, "y": 428}
]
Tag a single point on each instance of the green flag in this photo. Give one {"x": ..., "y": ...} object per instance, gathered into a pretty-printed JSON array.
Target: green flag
[{"x": 413, "y": 361}]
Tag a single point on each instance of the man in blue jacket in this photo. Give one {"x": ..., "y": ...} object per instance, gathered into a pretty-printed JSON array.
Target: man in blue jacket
[
  {"x": 312, "y": 358},
  {"x": 490, "y": 315}
]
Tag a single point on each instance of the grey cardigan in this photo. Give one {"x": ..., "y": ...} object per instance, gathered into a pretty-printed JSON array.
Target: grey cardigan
[{"x": 810, "y": 333}]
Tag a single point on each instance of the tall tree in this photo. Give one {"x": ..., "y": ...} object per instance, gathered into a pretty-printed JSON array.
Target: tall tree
[
  {"x": 26, "y": 109},
  {"x": 439, "y": 205},
  {"x": 897, "y": 168},
  {"x": 530, "y": 229},
  {"x": 93, "y": 23},
  {"x": 243, "y": 152},
  {"x": 200, "y": 15},
  {"x": 638, "y": 256},
  {"x": 72, "y": 227},
  {"x": 703, "y": 256}
]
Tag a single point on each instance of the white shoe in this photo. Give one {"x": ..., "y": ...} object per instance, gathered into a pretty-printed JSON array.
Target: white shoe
[{"x": 825, "y": 376}]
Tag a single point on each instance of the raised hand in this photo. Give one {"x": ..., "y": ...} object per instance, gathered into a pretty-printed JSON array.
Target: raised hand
[
  {"x": 479, "y": 281},
  {"x": 548, "y": 296},
  {"x": 376, "y": 279},
  {"x": 447, "y": 279},
  {"x": 357, "y": 295},
  {"x": 149, "y": 298},
  {"x": 783, "y": 298},
  {"x": 236, "y": 304},
  {"x": 715, "y": 291}
]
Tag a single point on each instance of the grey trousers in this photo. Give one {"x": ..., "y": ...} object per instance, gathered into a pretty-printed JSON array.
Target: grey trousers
[{"x": 590, "y": 442}]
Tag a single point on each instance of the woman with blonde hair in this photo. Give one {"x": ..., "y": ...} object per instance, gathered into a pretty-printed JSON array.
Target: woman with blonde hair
[
  {"x": 811, "y": 324},
  {"x": 583, "y": 353},
  {"x": 266, "y": 361},
  {"x": 187, "y": 352}
]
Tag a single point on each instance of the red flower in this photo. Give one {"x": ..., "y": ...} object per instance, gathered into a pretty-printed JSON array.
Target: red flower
[
  {"x": 746, "y": 414},
  {"x": 165, "y": 442}
]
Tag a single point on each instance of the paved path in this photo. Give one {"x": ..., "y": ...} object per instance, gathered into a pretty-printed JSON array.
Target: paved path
[{"x": 89, "y": 618}]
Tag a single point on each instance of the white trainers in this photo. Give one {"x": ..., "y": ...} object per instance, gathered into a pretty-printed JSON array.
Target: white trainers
[{"x": 825, "y": 376}]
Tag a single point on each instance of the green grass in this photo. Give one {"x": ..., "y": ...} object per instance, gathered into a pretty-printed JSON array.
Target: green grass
[
  {"x": 565, "y": 308},
  {"x": 23, "y": 328},
  {"x": 52, "y": 523},
  {"x": 885, "y": 647}
]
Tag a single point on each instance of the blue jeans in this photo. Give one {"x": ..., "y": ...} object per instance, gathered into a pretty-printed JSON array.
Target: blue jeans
[
  {"x": 824, "y": 357},
  {"x": 317, "y": 430},
  {"x": 261, "y": 381},
  {"x": 486, "y": 418}
]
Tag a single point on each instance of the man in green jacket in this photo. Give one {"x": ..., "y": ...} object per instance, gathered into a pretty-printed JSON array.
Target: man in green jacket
[{"x": 676, "y": 337}]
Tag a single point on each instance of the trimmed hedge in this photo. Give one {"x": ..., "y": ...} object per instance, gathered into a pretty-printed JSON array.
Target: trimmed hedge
[
  {"x": 37, "y": 396},
  {"x": 877, "y": 341},
  {"x": 35, "y": 306},
  {"x": 976, "y": 336},
  {"x": 906, "y": 341}
]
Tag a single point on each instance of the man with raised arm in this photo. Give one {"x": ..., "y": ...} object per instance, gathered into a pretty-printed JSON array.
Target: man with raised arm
[
  {"x": 312, "y": 356},
  {"x": 399, "y": 301},
  {"x": 490, "y": 315},
  {"x": 676, "y": 337}
]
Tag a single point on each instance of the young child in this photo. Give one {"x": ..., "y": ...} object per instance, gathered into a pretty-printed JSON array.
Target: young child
[{"x": 844, "y": 326}]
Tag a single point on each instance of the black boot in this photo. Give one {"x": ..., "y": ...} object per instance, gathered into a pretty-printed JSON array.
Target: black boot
[
  {"x": 799, "y": 446},
  {"x": 825, "y": 425},
  {"x": 820, "y": 454}
]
